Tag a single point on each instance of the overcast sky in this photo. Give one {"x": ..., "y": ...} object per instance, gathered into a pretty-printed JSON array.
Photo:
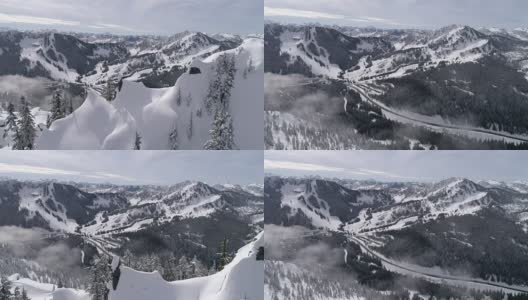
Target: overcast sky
[
  {"x": 401, "y": 13},
  {"x": 135, "y": 16},
  {"x": 135, "y": 167},
  {"x": 400, "y": 165}
]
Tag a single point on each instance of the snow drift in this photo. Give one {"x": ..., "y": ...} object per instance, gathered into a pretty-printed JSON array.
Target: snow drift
[
  {"x": 155, "y": 113},
  {"x": 46, "y": 291},
  {"x": 243, "y": 278}
]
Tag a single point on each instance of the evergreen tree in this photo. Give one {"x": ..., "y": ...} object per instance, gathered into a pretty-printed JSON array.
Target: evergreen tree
[
  {"x": 69, "y": 107},
  {"x": 26, "y": 129},
  {"x": 190, "y": 128},
  {"x": 169, "y": 269},
  {"x": 178, "y": 97},
  {"x": 57, "y": 109},
  {"x": 109, "y": 91},
  {"x": 137, "y": 142},
  {"x": 220, "y": 88},
  {"x": 197, "y": 268},
  {"x": 221, "y": 136},
  {"x": 48, "y": 121},
  {"x": 24, "y": 295},
  {"x": 5, "y": 288},
  {"x": 183, "y": 268},
  {"x": 173, "y": 139},
  {"x": 11, "y": 120},
  {"x": 101, "y": 275},
  {"x": 16, "y": 294},
  {"x": 223, "y": 256}
]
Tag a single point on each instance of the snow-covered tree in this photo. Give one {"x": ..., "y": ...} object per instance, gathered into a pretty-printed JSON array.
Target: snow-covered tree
[
  {"x": 109, "y": 91},
  {"x": 178, "y": 97},
  {"x": 101, "y": 275},
  {"x": 24, "y": 294},
  {"x": 197, "y": 268},
  {"x": 11, "y": 120},
  {"x": 69, "y": 107},
  {"x": 183, "y": 268},
  {"x": 57, "y": 108},
  {"x": 173, "y": 138},
  {"x": 5, "y": 289},
  {"x": 137, "y": 142},
  {"x": 220, "y": 88},
  {"x": 190, "y": 127},
  {"x": 188, "y": 99},
  {"x": 26, "y": 129},
  {"x": 221, "y": 136},
  {"x": 223, "y": 255},
  {"x": 16, "y": 294},
  {"x": 169, "y": 268}
]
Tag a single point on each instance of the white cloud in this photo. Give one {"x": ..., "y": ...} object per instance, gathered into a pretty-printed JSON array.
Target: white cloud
[
  {"x": 5, "y": 18},
  {"x": 35, "y": 170},
  {"x": 290, "y": 165},
  {"x": 286, "y": 12}
]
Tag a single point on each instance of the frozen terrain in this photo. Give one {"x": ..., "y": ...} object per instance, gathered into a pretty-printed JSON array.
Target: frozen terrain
[{"x": 154, "y": 114}]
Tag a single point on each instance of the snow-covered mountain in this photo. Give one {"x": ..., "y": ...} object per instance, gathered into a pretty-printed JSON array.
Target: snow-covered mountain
[
  {"x": 372, "y": 206},
  {"x": 53, "y": 234},
  {"x": 180, "y": 117},
  {"x": 394, "y": 89},
  {"x": 94, "y": 59},
  {"x": 449, "y": 229},
  {"x": 96, "y": 209},
  {"x": 242, "y": 278}
]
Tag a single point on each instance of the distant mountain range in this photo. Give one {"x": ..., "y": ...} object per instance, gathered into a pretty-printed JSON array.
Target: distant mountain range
[
  {"x": 453, "y": 88},
  {"x": 450, "y": 233},
  {"x": 95, "y": 59}
]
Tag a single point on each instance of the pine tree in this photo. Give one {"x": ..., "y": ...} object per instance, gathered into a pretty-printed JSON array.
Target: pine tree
[
  {"x": 224, "y": 257},
  {"x": 11, "y": 120},
  {"x": 109, "y": 91},
  {"x": 24, "y": 295},
  {"x": 198, "y": 269},
  {"x": 220, "y": 88},
  {"x": 183, "y": 268},
  {"x": 48, "y": 121},
  {"x": 16, "y": 294},
  {"x": 190, "y": 128},
  {"x": 173, "y": 138},
  {"x": 26, "y": 129},
  {"x": 5, "y": 288},
  {"x": 69, "y": 107},
  {"x": 137, "y": 142},
  {"x": 57, "y": 110},
  {"x": 178, "y": 97},
  {"x": 101, "y": 275},
  {"x": 169, "y": 269},
  {"x": 221, "y": 136}
]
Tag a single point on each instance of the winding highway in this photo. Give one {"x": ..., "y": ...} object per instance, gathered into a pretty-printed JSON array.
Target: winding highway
[
  {"x": 486, "y": 285},
  {"x": 365, "y": 97}
]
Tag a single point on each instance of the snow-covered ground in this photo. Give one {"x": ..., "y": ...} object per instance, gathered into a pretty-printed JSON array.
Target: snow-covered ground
[
  {"x": 155, "y": 113},
  {"x": 242, "y": 278},
  {"x": 45, "y": 291}
]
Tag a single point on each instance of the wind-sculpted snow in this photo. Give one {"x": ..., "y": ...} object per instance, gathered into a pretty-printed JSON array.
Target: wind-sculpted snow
[
  {"x": 242, "y": 278},
  {"x": 156, "y": 114}
]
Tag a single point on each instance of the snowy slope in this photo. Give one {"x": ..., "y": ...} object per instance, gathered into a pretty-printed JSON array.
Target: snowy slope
[
  {"x": 241, "y": 279},
  {"x": 45, "y": 291},
  {"x": 155, "y": 113}
]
